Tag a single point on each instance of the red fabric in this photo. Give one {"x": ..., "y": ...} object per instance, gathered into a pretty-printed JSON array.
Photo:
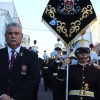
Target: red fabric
[{"x": 12, "y": 59}]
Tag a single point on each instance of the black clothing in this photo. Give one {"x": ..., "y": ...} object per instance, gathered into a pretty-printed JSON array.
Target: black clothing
[
  {"x": 78, "y": 77},
  {"x": 57, "y": 90},
  {"x": 23, "y": 77}
]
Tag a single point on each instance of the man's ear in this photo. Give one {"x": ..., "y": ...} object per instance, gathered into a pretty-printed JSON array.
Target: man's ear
[{"x": 22, "y": 36}]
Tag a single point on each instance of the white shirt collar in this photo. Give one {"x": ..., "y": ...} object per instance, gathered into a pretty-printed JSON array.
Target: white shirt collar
[
  {"x": 10, "y": 49},
  {"x": 82, "y": 64}
]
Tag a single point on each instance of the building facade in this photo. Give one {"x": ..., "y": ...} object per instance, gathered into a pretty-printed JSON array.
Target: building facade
[
  {"x": 4, "y": 20},
  {"x": 9, "y": 14}
]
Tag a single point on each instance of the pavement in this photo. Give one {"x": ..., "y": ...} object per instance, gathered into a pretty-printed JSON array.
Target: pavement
[{"x": 42, "y": 94}]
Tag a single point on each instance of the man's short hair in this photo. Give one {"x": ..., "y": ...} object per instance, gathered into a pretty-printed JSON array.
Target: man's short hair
[{"x": 13, "y": 24}]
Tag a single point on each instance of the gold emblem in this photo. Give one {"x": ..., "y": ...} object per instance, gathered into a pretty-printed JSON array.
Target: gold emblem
[
  {"x": 82, "y": 92},
  {"x": 86, "y": 86},
  {"x": 21, "y": 54},
  {"x": 58, "y": 67}
]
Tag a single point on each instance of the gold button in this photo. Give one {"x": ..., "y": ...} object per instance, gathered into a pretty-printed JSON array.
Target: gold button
[
  {"x": 81, "y": 98},
  {"x": 83, "y": 69},
  {"x": 83, "y": 77},
  {"x": 83, "y": 82}
]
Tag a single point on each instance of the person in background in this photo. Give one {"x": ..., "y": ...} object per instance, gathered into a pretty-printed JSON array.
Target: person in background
[
  {"x": 55, "y": 67},
  {"x": 35, "y": 92},
  {"x": 45, "y": 71}
]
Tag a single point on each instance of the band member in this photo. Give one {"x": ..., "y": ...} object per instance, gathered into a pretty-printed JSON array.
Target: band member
[
  {"x": 64, "y": 52},
  {"x": 45, "y": 71},
  {"x": 35, "y": 92},
  {"x": 55, "y": 67},
  {"x": 84, "y": 79}
]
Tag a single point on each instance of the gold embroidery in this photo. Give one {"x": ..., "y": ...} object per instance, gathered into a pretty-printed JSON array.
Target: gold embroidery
[
  {"x": 75, "y": 26},
  {"x": 86, "y": 12},
  {"x": 50, "y": 11},
  {"x": 61, "y": 27}
]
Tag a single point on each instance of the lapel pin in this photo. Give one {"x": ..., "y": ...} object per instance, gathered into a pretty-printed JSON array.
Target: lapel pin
[{"x": 21, "y": 54}]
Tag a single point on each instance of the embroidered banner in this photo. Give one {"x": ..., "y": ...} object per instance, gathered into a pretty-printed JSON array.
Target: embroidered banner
[{"x": 68, "y": 18}]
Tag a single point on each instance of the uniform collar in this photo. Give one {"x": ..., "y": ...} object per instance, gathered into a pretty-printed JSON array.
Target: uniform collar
[{"x": 83, "y": 65}]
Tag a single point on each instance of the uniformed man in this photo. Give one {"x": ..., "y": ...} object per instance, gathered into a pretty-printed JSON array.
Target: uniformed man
[
  {"x": 55, "y": 67},
  {"x": 84, "y": 79},
  {"x": 35, "y": 49},
  {"x": 45, "y": 71}
]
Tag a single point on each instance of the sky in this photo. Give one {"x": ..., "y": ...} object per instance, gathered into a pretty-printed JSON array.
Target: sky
[{"x": 30, "y": 14}]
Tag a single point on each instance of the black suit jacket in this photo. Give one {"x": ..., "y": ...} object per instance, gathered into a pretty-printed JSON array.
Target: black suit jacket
[{"x": 14, "y": 83}]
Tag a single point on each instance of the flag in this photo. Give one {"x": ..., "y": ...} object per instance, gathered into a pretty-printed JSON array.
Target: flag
[{"x": 68, "y": 19}]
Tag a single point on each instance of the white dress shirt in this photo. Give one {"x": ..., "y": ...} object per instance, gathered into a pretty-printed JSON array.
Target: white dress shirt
[{"x": 15, "y": 53}]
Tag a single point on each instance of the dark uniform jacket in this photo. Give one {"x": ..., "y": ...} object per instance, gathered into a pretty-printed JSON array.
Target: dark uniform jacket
[
  {"x": 45, "y": 67},
  {"x": 40, "y": 63},
  {"x": 77, "y": 79},
  {"x": 54, "y": 67},
  {"x": 19, "y": 86}
]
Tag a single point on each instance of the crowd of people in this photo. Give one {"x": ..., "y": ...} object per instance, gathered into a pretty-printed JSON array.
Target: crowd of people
[{"x": 20, "y": 70}]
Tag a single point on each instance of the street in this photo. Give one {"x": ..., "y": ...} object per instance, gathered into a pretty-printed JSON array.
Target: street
[{"x": 42, "y": 95}]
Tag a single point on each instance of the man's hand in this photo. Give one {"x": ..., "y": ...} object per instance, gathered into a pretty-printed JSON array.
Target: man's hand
[
  {"x": 5, "y": 97},
  {"x": 66, "y": 62}
]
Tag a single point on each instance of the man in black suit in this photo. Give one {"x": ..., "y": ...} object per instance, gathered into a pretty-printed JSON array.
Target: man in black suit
[{"x": 19, "y": 67}]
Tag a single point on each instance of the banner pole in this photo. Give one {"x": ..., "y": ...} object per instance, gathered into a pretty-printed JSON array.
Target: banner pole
[{"x": 67, "y": 75}]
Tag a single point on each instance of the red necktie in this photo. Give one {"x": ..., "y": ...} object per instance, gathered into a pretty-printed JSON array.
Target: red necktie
[{"x": 12, "y": 59}]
